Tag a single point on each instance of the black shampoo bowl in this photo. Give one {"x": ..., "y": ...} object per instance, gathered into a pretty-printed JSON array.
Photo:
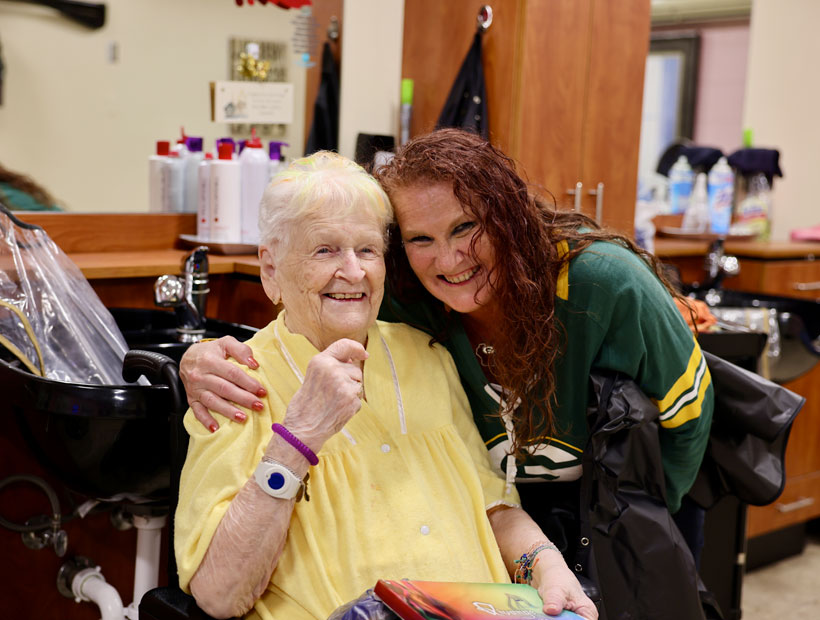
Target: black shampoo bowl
[
  {"x": 798, "y": 327},
  {"x": 106, "y": 442}
]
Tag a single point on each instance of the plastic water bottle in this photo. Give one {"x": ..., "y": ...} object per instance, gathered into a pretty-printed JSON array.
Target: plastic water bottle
[
  {"x": 681, "y": 178},
  {"x": 721, "y": 195},
  {"x": 255, "y": 166},
  {"x": 696, "y": 218}
]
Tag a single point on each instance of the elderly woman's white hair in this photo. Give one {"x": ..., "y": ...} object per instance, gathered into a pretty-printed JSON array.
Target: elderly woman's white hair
[{"x": 310, "y": 184}]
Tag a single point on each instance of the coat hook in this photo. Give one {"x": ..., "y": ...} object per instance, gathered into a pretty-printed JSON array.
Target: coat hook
[
  {"x": 333, "y": 29},
  {"x": 485, "y": 17}
]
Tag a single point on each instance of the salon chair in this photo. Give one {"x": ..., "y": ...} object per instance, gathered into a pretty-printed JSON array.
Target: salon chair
[{"x": 168, "y": 602}]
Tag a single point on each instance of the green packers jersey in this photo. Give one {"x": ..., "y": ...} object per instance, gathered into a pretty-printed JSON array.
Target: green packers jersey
[{"x": 614, "y": 314}]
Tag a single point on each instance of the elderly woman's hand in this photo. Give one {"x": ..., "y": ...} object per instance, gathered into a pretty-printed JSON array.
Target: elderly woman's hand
[
  {"x": 213, "y": 383},
  {"x": 558, "y": 587},
  {"x": 331, "y": 394}
]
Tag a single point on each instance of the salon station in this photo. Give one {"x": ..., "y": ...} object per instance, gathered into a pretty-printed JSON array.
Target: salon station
[{"x": 137, "y": 140}]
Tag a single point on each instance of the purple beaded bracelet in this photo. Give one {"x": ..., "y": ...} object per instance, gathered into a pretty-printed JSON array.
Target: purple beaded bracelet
[{"x": 293, "y": 440}]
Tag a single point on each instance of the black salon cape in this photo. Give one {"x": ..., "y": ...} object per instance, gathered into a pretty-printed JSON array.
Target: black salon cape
[
  {"x": 637, "y": 556},
  {"x": 324, "y": 130},
  {"x": 466, "y": 105}
]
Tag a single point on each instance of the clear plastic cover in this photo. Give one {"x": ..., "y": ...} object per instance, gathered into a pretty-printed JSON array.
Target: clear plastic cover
[{"x": 50, "y": 317}]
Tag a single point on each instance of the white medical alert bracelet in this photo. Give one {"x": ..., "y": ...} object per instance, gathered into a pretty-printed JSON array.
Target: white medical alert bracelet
[{"x": 279, "y": 481}]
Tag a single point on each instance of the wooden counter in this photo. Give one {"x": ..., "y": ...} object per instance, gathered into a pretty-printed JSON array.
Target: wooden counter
[
  {"x": 791, "y": 269},
  {"x": 153, "y": 263},
  {"x": 768, "y": 250}
]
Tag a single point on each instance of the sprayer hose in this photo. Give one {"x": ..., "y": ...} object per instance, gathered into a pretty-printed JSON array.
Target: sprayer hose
[{"x": 52, "y": 498}]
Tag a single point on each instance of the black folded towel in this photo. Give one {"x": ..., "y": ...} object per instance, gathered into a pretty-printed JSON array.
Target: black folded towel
[
  {"x": 701, "y": 158},
  {"x": 749, "y": 161}
]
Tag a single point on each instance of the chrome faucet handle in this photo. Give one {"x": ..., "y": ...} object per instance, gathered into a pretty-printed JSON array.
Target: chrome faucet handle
[
  {"x": 187, "y": 294},
  {"x": 729, "y": 265},
  {"x": 168, "y": 291},
  {"x": 713, "y": 257}
]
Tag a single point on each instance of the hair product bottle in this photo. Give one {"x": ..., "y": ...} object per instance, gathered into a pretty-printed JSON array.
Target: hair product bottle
[
  {"x": 226, "y": 190},
  {"x": 255, "y": 166},
  {"x": 156, "y": 176},
  {"x": 203, "y": 211},
  {"x": 192, "y": 161},
  {"x": 277, "y": 160},
  {"x": 174, "y": 184},
  {"x": 406, "y": 110}
]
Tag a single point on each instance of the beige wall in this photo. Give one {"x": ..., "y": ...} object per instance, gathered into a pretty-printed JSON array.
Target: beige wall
[
  {"x": 84, "y": 127},
  {"x": 724, "y": 52},
  {"x": 371, "y": 70},
  {"x": 781, "y": 108}
]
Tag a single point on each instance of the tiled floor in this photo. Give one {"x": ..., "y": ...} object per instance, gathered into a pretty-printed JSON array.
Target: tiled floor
[{"x": 789, "y": 588}]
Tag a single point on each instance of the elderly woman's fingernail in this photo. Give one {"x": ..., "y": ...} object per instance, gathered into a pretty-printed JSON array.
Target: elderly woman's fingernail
[
  {"x": 239, "y": 416},
  {"x": 213, "y": 427},
  {"x": 258, "y": 406},
  {"x": 252, "y": 363},
  {"x": 261, "y": 392}
]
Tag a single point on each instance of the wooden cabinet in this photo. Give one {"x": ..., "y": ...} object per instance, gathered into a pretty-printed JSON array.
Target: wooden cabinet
[
  {"x": 789, "y": 278},
  {"x": 800, "y": 501},
  {"x": 564, "y": 87}
]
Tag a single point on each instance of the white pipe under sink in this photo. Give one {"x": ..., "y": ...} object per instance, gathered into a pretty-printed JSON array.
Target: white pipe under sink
[
  {"x": 89, "y": 585},
  {"x": 146, "y": 568}
]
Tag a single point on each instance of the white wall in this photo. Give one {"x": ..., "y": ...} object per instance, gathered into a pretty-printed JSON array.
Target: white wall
[
  {"x": 83, "y": 126},
  {"x": 371, "y": 70},
  {"x": 781, "y": 108}
]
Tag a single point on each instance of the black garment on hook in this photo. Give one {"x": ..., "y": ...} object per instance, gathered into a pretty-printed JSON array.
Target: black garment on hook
[
  {"x": 466, "y": 105},
  {"x": 324, "y": 130}
]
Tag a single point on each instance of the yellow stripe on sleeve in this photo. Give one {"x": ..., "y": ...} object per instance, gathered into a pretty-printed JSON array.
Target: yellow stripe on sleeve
[
  {"x": 693, "y": 409},
  {"x": 562, "y": 286},
  {"x": 685, "y": 383}
]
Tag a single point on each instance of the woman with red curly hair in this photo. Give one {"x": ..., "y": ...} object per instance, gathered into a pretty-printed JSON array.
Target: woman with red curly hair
[{"x": 529, "y": 300}]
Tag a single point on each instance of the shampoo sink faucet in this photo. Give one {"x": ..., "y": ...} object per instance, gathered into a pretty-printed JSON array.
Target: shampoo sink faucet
[
  {"x": 187, "y": 294},
  {"x": 718, "y": 266}
]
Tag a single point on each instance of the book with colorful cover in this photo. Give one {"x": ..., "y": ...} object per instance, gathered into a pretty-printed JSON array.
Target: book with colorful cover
[{"x": 436, "y": 600}]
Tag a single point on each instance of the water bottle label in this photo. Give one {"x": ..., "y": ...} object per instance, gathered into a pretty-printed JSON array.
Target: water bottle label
[
  {"x": 720, "y": 208},
  {"x": 679, "y": 195}
]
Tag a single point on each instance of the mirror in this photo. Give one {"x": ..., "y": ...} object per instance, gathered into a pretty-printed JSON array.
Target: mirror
[
  {"x": 695, "y": 79},
  {"x": 82, "y": 109}
]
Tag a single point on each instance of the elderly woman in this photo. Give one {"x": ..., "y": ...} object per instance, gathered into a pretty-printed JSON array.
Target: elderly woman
[{"x": 365, "y": 463}]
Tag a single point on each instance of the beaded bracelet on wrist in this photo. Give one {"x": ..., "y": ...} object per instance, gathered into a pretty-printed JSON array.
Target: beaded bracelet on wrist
[{"x": 525, "y": 564}]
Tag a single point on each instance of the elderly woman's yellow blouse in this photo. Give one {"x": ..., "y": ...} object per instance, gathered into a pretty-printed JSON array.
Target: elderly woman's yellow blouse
[{"x": 401, "y": 492}]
